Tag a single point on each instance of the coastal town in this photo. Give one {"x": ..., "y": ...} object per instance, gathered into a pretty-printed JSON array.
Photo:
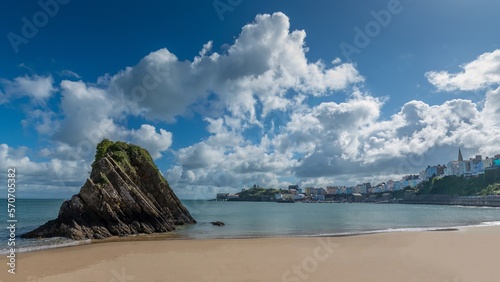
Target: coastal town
[{"x": 366, "y": 192}]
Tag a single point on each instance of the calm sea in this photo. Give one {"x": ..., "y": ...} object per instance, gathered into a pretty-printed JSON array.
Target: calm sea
[{"x": 260, "y": 219}]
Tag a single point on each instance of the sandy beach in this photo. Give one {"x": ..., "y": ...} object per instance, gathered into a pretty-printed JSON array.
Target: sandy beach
[{"x": 469, "y": 254}]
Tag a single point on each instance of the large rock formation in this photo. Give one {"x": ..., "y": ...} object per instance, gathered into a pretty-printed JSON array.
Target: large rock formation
[{"x": 125, "y": 195}]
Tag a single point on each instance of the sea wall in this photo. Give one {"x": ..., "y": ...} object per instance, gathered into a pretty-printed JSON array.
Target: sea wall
[{"x": 487, "y": 201}]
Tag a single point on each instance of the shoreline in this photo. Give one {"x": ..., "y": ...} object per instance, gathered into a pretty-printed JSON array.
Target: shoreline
[
  {"x": 466, "y": 254},
  {"x": 460, "y": 201},
  {"x": 173, "y": 236}
]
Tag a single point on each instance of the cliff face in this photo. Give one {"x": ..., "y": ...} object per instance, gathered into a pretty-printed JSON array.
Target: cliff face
[{"x": 124, "y": 195}]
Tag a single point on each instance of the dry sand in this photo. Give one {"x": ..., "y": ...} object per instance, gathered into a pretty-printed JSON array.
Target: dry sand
[{"x": 471, "y": 254}]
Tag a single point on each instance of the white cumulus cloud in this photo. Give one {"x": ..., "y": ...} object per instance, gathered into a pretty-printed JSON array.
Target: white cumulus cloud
[
  {"x": 55, "y": 178},
  {"x": 154, "y": 142},
  {"x": 478, "y": 74},
  {"x": 264, "y": 62},
  {"x": 39, "y": 88}
]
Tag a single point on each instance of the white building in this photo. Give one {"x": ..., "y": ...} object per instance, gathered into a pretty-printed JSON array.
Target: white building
[
  {"x": 455, "y": 168},
  {"x": 487, "y": 163}
]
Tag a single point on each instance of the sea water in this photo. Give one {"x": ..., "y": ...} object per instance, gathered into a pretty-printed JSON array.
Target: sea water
[
  {"x": 30, "y": 214},
  {"x": 269, "y": 219}
]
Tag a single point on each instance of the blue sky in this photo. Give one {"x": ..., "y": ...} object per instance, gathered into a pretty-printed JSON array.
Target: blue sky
[{"x": 227, "y": 94}]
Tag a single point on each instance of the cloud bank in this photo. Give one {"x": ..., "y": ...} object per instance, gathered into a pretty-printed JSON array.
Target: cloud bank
[{"x": 262, "y": 126}]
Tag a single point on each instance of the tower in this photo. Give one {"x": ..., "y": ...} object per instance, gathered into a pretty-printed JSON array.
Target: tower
[{"x": 460, "y": 158}]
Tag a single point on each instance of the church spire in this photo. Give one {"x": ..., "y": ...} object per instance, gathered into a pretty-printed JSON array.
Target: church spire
[{"x": 460, "y": 158}]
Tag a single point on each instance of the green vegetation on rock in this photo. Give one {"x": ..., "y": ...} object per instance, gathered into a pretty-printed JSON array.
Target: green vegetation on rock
[
  {"x": 102, "y": 148},
  {"x": 102, "y": 180},
  {"x": 121, "y": 152},
  {"x": 462, "y": 186},
  {"x": 258, "y": 192},
  {"x": 492, "y": 189}
]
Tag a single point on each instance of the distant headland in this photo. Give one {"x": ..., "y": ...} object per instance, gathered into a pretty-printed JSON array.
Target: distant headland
[{"x": 473, "y": 182}]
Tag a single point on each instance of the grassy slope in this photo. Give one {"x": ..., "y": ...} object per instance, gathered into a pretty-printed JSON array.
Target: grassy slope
[{"x": 451, "y": 185}]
